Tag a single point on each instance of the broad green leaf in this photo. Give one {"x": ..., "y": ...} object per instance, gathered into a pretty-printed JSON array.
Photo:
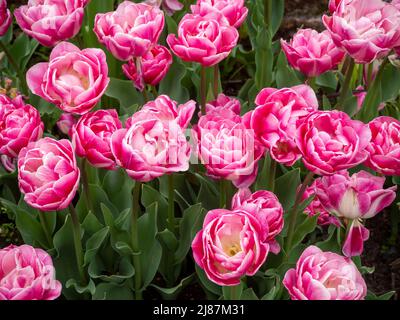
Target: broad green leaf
[{"x": 286, "y": 188}]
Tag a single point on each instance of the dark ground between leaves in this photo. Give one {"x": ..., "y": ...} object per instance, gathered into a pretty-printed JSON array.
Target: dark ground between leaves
[{"x": 381, "y": 252}]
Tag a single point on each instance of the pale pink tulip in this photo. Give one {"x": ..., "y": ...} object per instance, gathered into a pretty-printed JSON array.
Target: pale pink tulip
[
  {"x": 66, "y": 122},
  {"x": 224, "y": 102}
]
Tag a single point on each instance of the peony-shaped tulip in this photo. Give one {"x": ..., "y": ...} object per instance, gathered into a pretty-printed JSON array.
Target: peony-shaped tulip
[
  {"x": 335, "y": 4},
  {"x": 384, "y": 149},
  {"x": 20, "y": 124},
  {"x": 231, "y": 244},
  {"x": 48, "y": 174},
  {"x": 324, "y": 276},
  {"x": 224, "y": 102},
  {"x": 51, "y": 21},
  {"x": 366, "y": 30},
  {"x": 91, "y": 137},
  {"x": 66, "y": 122},
  {"x": 330, "y": 141},
  {"x": 170, "y": 6},
  {"x": 203, "y": 39},
  {"x": 354, "y": 198},
  {"x": 154, "y": 143},
  {"x": 315, "y": 207},
  {"x": 73, "y": 80},
  {"x": 27, "y": 273},
  {"x": 312, "y": 53},
  {"x": 266, "y": 207},
  {"x": 227, "y": 148},
  {"x": 233, "y": 10},
  {"x": 275, "y": 118},
  {"x": 5, "y": 18},
  {"x": 150, "y": 69},
  {"x": 130, "y": 31}
]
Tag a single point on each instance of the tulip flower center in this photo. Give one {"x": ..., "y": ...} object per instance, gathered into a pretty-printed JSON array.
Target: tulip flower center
[
  {"x": 72, "y": 78},
  {"x": 349, "y": 206}
]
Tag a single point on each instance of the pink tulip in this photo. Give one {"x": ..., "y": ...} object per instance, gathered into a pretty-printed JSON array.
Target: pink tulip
[
  {"x": 51, "y": 21},
  {"x": 384, "y": 149},
  {"x": 227, "y": 148},
  {"x": 312, "y": 53},
  {"x": 73, "y": 80},
  {"x": 361, "y": 94},
  {"x": 331, "y": 141},
  {"x": 150, "y": 69},
  {"x": 266, "y": 207},
  {"x": 20, "y": 124},
  {"x": 170, "y": 6},
  {"x": 91, "y": 137},
  {"x": 231, "y": 244},
  {"x": 8, "y": 163},
  {"x": 274, "y": 120},
  {"x": 224, "y": 102},
  {"x": 203, "y": 39},
  {"x": 66, "y": 122},
  {"x": 335, "y": 4},
  {"x": 315, "y": 207},
  {"x": 356, "y": 235},
  {"x": 367, "y": 31},
  {"x": 324, "y": 276},
  {"x": 48, "y": 174},
  {"x": 130, "y": 31},
  {"x": 5, "y": 18},
  {"x": 154, "y": 143},
  {"x": 233, "y": 10},
  {"x": 359, "y": 196},
  {"x": 27, "y": 273}
]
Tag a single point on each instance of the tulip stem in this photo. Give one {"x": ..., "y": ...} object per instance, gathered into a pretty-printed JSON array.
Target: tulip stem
[
  {"x": 145, "y": 95},
  {"x": 135, "y": 239},
  {"x": 154, "y": 91},
  {"x": 85, "y": 183},
  {"x": 271, "y": 175},
  {"x": 76, "y": 227},
  {"x": 17, "y": 69},
  {"x": 369, "y": 75},
  {"x": 233, "y": 293},
  {"x": 295, "y": 212},
  {"x": 222, "y": 193},
  {"x": 43, "y": 222},
  {"x": 267, "y": 12},
  {"x": 203, "y": 89},
  {"x": 216, "y": 81},
  {"x": 346, "y": 85},
  {"x": 171, "y": 203}
]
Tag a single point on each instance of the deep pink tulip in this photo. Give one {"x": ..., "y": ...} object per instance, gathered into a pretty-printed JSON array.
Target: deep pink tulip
[
  {"x": 48, "y": 174},
  {"x": 315, "y": 207},
  {"x": 330, "y": 141},
  {"x": 234, "y": 10},
  {"x": 73, "y": 80},
  {"x": 366, "y": 30},
  {"x": 130, "y": 31},
  {"x": 335, "y": 4},
  {"x": 66, "y": 122},
  {"x": 384, "y": 149},
  {"x": 275, "y": 118},
  {"x": 27, "y": 273},
  {"x": 20, "y": 124},
  {"x": 91, "y": 137},
  {"x": 266, "y": 207},
  {"x": 51, "y": 21},
  {"x": 150, "y": 69},
  {"x": 224, "y": 102},
  {"x": 231, "y": 244},
  {"x": 312, "y": 53},
  {"x": 227, "y": 148},
  {"x": 154, "y": 142},
  {"x": 354, "y": 198},
  {"x": 5, "y": 18},
  {"x": 169, "y": 6},
  {"x": 324, "y": 276},
  {"x": 203, "y": 39},
  {"x": 8, "y": 163}
]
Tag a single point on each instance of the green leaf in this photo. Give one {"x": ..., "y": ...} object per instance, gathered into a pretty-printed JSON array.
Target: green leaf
[
  {"x": 271, "y": 294},
  {"x": 172, "y": 83},
  {"x": 94, "y": 243},
  {"x": 89, "y": 288},
  {"x": 118, "y": 187},
  {"x": 305, "y": 227},
  {"x": 151, "y": 196},
  {"x": 264, "y": 59},
  {"x": 173, "y": 293},
  {"x": 386, "y": 296},
  {"x": 125, "y": 93},
  {"x": 286, "y": 188},
  {"x": 248, "y": 294},
  {"x": 285, "y": 76},
  {"x": 168, "y": 239},
  {"x": 207, "y": 284},
  {"x": 30, "y": 229},
  {"x": 327, "y": 80},
  {"x": 192, "y": 218},
  {"x": 112, "y": 291}
]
